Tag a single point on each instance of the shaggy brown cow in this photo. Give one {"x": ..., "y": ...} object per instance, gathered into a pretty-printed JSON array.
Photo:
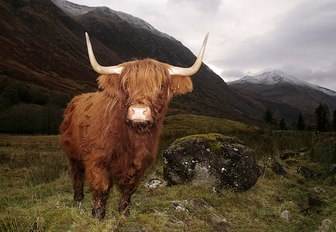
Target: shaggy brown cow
[{"x": 112, "y": 136}]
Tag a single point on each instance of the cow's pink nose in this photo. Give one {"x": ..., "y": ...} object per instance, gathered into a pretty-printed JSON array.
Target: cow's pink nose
[{"x": 139, "y": 113}]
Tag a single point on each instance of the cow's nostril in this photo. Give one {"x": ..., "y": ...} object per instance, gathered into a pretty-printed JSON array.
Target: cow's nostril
[
  {"x": 133, "y": 111},
  {"x": 144, "y": 112}
]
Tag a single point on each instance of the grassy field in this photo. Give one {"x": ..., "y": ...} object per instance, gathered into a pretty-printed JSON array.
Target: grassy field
[{"x": 36, "y": 192}]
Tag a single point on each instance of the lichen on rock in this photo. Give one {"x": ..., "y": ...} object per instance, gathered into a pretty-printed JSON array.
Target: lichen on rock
[{"x": 211, "y": 160}]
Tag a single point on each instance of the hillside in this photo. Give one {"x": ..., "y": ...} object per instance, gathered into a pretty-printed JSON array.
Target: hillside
[
  {"x": 43, "y": 48},
  {"x": 286, "y": 94},
  {"x": 43, "y": 45}
]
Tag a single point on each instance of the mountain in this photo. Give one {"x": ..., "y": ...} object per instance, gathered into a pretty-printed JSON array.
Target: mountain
[
  {"x": 285, "y": 94},
  {"x": 42, "y": 43}
]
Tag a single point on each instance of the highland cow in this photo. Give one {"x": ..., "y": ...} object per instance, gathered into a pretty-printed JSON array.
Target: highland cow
[{"x": 111, "y": 136}]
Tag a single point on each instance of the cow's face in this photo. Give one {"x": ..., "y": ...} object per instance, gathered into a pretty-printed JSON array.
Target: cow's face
[
  {"x": 145, "y": 85},
  {"x": 145, "y": 88}
]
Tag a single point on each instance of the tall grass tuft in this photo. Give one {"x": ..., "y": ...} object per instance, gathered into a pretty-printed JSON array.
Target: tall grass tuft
[
  {"x": 268, "y": 143},
  {"x": 11, "y": 224},
  {"x": 324, "y": 148},
  {"x": 46, "y": 167}
]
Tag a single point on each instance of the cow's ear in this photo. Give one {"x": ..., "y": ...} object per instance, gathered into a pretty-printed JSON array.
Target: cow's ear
[
  {"x": 180, "y": 85},
  {"x": 109, "y": 84}
]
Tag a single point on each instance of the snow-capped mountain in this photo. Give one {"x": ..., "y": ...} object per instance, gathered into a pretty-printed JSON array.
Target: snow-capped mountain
[
  {"x": 278, "y": 77},
  {"x": 269, "y": 78},
  {"x": 325, "y": 90},
  {"x": 73, "y": 9},
  {"x": 284, "y": 93}
]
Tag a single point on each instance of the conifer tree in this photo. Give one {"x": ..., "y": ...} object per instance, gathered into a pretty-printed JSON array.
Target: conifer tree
[
  {"x": 268, "y": 116},
  {"x": 334, "y": 120},
  {"x": 282, "y": 124},
  {"x": 300, "y": 125},
  {"x": 322, "y": 115}
]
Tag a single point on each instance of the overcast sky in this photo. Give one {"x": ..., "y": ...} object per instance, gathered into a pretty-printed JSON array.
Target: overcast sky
[{"x": 248, "y": 36}]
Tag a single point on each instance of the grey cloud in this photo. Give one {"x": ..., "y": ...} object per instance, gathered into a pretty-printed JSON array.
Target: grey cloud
[
  {"x": 305, "y": 38},
  {"x": 232, "y": 73},
  {"x": 210, "y": 6}
]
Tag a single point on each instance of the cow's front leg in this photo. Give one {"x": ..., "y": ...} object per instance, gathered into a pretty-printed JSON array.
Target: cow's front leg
[
  {"x": 127, "y": 187},
  {"x": 128, "y": 180},
  {"x": 100, "y": 182},
  {"x": 99, "y": 204},
  {"x": 124, "y": 204}
]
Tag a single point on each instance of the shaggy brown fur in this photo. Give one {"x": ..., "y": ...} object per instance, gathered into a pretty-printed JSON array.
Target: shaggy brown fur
[{"x": 102, "y": 145}]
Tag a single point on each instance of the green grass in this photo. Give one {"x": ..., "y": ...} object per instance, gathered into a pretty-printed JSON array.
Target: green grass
[{"x": 36, "y": 190}]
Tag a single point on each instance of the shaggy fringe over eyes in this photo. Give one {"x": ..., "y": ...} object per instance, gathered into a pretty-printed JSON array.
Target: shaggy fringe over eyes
[{"x": 144, "y": 78}]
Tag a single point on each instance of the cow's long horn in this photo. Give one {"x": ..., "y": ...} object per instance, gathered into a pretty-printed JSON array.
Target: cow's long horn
[
  {"x": 97, "y": 67},
  {"x": 193, "y": 69}
]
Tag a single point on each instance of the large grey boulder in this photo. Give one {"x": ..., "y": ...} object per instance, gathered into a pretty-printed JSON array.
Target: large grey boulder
[{"x": 211, "y": 160}]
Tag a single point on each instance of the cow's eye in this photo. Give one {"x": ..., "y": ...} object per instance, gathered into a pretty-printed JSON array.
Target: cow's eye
[{"x": 163, "y": 86}]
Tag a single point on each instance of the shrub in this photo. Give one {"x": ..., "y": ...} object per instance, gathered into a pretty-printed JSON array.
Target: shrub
[
  {"x": 30, "y": 119},
  {"x": 11, "y": 95}
]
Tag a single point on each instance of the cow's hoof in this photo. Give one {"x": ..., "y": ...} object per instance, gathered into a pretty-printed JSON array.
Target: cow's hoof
[
  {"x": 78, "y": 197},
  {"x": 123, "y": 217},
  {"x": 98, "y": 213},
  {"x": 77, "y": 204}
]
